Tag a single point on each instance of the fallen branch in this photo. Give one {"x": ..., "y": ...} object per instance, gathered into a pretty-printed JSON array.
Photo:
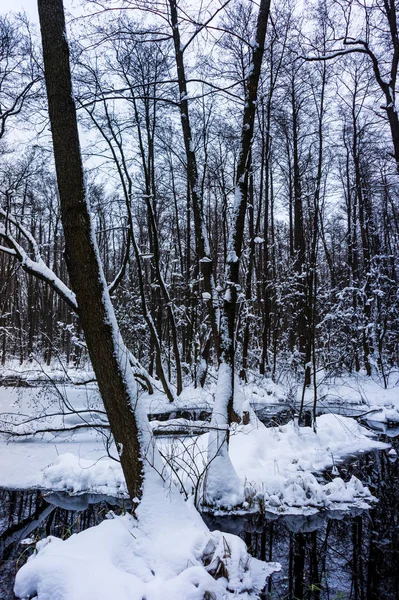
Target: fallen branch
[{"x": 54, "y": 429}]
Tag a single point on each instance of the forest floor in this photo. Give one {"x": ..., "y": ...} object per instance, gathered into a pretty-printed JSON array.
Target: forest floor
[{"x": 63, "y": 445}]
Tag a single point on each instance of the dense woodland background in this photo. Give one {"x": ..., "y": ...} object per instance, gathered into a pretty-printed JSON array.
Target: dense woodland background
[{"x": 318, "y": 280}]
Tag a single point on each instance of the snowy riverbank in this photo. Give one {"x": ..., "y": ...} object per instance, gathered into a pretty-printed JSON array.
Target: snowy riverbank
[
  {"x": 277, "y": 466},
  {"x": 168, "y": 552}
]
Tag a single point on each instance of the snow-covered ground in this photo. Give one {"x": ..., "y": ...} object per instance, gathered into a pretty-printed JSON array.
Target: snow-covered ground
[
  {"x": 164, "y": 553},
  {"x": 168, "y": 552},
  {"x": 276, "y": 465},
  {"x": 349, "y": 394},
  {"x": 35, "y": 372},
  {"x": 356, "y": 392},
  {"x": 368, "y": 394},
  {"x": 23, "y": 459}
]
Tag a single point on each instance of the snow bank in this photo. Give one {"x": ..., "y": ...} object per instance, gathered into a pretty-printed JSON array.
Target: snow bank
[
  {"x": 272, "y": 463},
  {"x": 75, "y": 475},
  {"x": 267, "y": 460},
  {"x": 349, "y": 394},
  {"x": 196, "y": 399},
  {"x": 168, "y": 553},
  {"x": 23, "y": 459},
  {"x": 361, "y": 391},
  {"x": 34, "y": 372},
  {"x": 277, "y": 464},
  {"x": 385, "y": 414}
]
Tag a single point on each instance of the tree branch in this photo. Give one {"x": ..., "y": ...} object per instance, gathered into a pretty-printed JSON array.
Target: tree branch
[{"x": 39, "y": 269}]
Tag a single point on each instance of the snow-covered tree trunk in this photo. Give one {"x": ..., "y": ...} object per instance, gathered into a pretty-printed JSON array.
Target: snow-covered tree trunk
[
  {"x": 223, "y": 413},
  {"x": 109, "y": 356}
]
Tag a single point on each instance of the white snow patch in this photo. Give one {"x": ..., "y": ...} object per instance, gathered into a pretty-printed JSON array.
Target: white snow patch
[
  {"x": 159, "y": 556},
  {"x": 277, "y": 464},
  {"x": 76, "y": 475}
]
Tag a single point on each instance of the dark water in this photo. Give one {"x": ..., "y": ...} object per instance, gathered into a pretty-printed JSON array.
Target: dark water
[
  {"x": 333, "y": 556},
  {"x": 330, "y": 556},
  {"x": 36, "y": 515}
]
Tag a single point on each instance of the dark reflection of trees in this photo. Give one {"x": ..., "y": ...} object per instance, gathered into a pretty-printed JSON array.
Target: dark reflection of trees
[
  {"x": 343, "y": 557},
  {"x": 27, "y": 514},
  {"x": 356, "y": 558},
  {"x": 382, "y": 550}
]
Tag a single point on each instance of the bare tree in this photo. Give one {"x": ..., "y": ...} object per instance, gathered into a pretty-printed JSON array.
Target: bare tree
[
  {"x": 19, "y": 71},
  {"x": 377, "y": 38},
  {"x": 108, "y": 353},
  {"x": 223, "y": 411}
]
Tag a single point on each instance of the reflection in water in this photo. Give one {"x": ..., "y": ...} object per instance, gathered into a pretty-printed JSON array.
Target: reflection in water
[
  {"x": 29, "y": 514},
  {"x": 335, "y": 556}
]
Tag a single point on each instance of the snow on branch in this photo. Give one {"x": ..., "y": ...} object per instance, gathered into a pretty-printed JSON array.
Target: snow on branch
[
  {"x": 334, "y": 54},
  {"x": 39, "y": 269},
  {"x": 36, "y": 267},
  {"x": 353, "y": 45}
]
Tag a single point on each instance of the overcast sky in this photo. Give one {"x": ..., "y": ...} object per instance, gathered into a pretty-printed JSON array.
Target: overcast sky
[{"x": 28, "y": 6}]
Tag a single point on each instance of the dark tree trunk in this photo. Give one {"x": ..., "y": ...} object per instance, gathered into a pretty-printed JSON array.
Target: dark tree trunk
[
  {"x": 107, "y": 352},
  {"x": 364, "y": 233},
  {"x": 248, "y": 285},
  {"x": 201, "y": 231},
  {"x": 302, "y": 331}
]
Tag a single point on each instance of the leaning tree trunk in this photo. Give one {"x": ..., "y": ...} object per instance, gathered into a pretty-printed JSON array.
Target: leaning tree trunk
[{"x": 107, "y": 352}]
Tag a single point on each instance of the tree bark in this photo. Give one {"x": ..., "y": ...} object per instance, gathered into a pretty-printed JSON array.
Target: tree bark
[
  {"x": 201, "y": 231},
  {"x": 107, "y": 352},
  {"x": 228, "y": 318}
]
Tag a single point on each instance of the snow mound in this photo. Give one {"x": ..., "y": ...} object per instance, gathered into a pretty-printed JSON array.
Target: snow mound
[
  {"x": 75, "y": 475},
  {"x": 304, "y": 494},
  {"x": 360, "y": 391},
  {"x": 167, "y": 553},
  {"x": 276, "y": 465},
  {"x": 385, "y": 414}
]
